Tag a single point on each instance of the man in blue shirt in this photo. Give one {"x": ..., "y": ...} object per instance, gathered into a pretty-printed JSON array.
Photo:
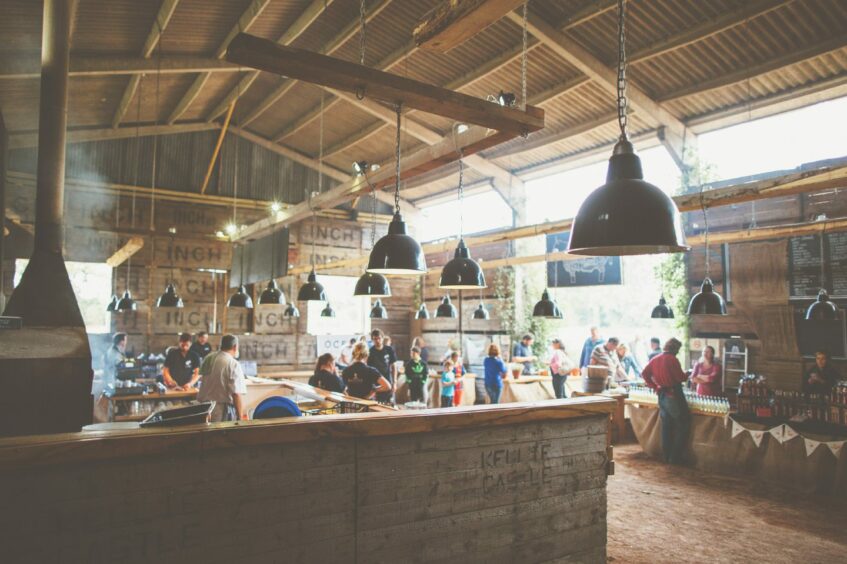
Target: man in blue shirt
[
  {"x": 522, "y": 352},
  {"x": 591, "y": 342}
]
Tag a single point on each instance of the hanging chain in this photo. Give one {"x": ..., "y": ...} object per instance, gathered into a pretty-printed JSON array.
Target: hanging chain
[
  {"x": 705, "y": 228},
  {"x": 397, "y": 109},
  {"x": 622, "y": 68},
  {"x": 373, "y": 212},
  {"x": 363, "y": 24},
  {"x": 461, "y": 195},
  {"x": 321, "y": 147},
  {"x": 524, "y": 55}
]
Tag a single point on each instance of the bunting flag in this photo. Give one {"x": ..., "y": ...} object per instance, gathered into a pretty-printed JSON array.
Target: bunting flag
[
  {"x": 788, "y": 433},
  {"x": 835, "y": 447},
  {"x": 811, "y": 446},
  {"x": 757, "y": 436},
  {"x": 777, "y": 433},
  {"x": 736, "y": 428}
]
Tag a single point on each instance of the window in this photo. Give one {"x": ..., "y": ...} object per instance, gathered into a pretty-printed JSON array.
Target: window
[
  {"x": 351, "y": 312},
  {"x": 483, "y": 212},
  {"x": 92, "y": 284}
]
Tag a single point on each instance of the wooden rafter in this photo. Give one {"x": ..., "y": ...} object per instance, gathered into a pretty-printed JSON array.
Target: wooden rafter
[
  {"x": 17, "y": 68},
  {"x": 247, "y": 19},
  {"x": 24, "y": 139},
  {"x": 217, "y": 149},
  {"x": 163, "y": 18},
  {"x": 420, "y": 161},
  {"x": 285, "y": 85},
  {"x": 452, "y": 22},
  {"x": 131, "y": 247}
]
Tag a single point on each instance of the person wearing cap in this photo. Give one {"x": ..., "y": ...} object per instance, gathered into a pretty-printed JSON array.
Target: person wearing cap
[
  {"x": 201, "y": 345},
  {"x": 560, "y": 366},
  {"x": 182, "y": 365},
  {"x": 225, "y": 384},
  {"x": 665, "y": 375}
]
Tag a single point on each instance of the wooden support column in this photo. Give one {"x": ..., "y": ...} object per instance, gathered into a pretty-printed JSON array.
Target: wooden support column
[{"x": 4, "y": 151}]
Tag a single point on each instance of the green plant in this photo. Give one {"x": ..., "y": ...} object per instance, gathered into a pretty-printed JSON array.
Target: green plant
[{"x": 672, "y": 270}]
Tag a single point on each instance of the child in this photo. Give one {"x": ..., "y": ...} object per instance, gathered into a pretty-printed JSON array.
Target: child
[
  {"x": 448, "y": 381},
  {"x": 416, "y": 374},
  {"x": 459, "y": 370}
]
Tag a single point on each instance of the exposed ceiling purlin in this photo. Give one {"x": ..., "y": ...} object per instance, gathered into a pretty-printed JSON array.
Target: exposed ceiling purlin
[
  {"x": 163, "y": 18},
  {"x": 247, "y": 19},
  {"x": 330, "y": 47},
  {"x": 28, "y": 67}
]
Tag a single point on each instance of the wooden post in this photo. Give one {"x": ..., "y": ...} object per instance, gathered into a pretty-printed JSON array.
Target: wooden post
[
  {"x": 217, "y": 150},
  {"x": 4, "y": 148}
]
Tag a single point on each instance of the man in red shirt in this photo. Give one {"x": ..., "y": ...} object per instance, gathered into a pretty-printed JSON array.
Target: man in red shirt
[{"x": 664, "y": 374}]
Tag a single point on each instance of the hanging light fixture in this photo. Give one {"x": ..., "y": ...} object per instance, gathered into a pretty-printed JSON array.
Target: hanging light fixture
[
  {"x": 126, "y": 303},
  {"x": 626, "y": 215},
  {"x": 272, "y": 294},
  {"x": 378, "y": 310},
  {"x": 461, "y": 272},
  {"x": 312, "y": 290},
  {"x": 291, "y": 310},
  {"x": 240, "y": 299},
  {"x": 422, "y": 312},
  {"x": 480, "y": 312},
  {"x": 706, "y": 301},
  {"x": 446, "y": 308},
  {"x": 663, "y": 310},
  {"x": 328, "y": 311},
  {"x": 822, "y": 309},
  {"x": 169, "y": 298},
  {"x": 546, "y": 307},
  {"x": 113, "y": 304},
  {"x": 397, "y": 253},
  {"x": 371, "y": 283}
]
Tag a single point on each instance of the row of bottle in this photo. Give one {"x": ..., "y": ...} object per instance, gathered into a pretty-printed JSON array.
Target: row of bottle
[{"x": 707, "y": 404}]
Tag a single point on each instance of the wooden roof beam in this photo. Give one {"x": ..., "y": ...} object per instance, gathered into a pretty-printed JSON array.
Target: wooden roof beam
[
  {"x": 452, "y": 22},
  {"x": 163, "y": 18},
  {"x": 120, "y": 256},
  {"x": 418, "y": 162},
  {"x": 17, "y": 68},
  {"x": 314, "y": 10},
  {"x": 247, "y": 19},
  {"x": 24, "y": 139}
]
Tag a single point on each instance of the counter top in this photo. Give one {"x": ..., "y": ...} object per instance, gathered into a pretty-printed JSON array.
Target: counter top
[
  {"x": 76, "y": 447},
  {"x": 167, "y": 396}
]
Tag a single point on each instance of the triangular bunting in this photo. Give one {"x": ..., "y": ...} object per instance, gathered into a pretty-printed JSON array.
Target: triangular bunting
[
  {"x": 788, "y": 433},
  {"x": 811, "y": 446},
  {"x": 757, "y": 436},
  {"x": 776, "y": 433},
  {"x": 736, "y": 428},
  {"x": 835, "y": 447}
]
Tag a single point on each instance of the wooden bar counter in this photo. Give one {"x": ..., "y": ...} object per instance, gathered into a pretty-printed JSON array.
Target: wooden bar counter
[{"x": 494, "y": 483}]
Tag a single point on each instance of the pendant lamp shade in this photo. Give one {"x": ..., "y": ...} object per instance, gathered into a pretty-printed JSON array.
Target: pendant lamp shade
[
  {"x": 397, "y": 253},
  {"x": 546, "y": 307},
  {"x": 240, "y": 299},
  {"x": 462, "y": 272},
  {"x": 312, "y": 290},
  {"x": 480, "y": 312},
  {"x": 707, "y": 301},
  {"x": 169, "y": 298},
  {"x": 662, "y": 311},
  {"x": 822, "y": 309},
  {"x": 271, "y": 294},
  {"x": 626, "y": 215},
  {"x": 328, "y": 311},
  {"x": 422, "y": 312},
  {"x": 126, "y": 303},
  {"x": 378, "y": 311},
  {"x": 291, "y": 311},
  {"x": 446, "y": 308},
  {"x": 373, "y": 285},
  {"x": 113, "y": 303}
]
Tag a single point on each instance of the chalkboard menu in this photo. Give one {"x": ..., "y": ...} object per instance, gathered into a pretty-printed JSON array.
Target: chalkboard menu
[
  {"x": 260, "y": 265},
  {"x": 590, "y": 271},
  {"x": 808, "y": 255}
]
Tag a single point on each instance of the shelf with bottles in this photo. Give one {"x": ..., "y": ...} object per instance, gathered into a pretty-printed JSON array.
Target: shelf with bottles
[{"x": 755, "y": 398}]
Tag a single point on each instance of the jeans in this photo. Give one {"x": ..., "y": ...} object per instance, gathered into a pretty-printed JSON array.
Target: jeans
[
  {"x": 479, "y": 388},
  {"x": 493, "y": 393},
  {"x": 446, "y": 401},
  {"x": 559, "y": 386},
  {"x": 676, "y": 421}
]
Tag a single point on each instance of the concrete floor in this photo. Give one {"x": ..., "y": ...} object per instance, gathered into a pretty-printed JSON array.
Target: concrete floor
[{"x": 659, "y": 513}]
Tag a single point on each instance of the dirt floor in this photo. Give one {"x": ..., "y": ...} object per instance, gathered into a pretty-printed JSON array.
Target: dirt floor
[{"x": 660, "y": 513}]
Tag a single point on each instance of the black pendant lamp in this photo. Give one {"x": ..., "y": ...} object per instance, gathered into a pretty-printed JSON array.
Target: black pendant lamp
[
  {"x": 169, "y": 298},
  {"x": 378, "y": 310},
  {"x": 480, "y": 312},
  {"x": 113, "y": 304},
  {"x": 272, "y": 294},
  {"x": 312, "y": 290},
  {"x": 397, "y": 253},
  {"x": 663, "y": 310},
  {"x": 446, "y": 308},
  {"x": 626, "y": 215},
  {"x": 291, "y": 311},
  {"x": 706, "y": 301},
  {"x": 822, "y": 309},
  {"x": 240, "y": 299},
  {"x": 328, "y": 311},
  {"x": 461, "y": 272},
  {"x": 545, "y": 307},
  {"x": 422, "y": 312},
  {"x": 370, "y": 283},
  {"x": 126, "y": 303}
]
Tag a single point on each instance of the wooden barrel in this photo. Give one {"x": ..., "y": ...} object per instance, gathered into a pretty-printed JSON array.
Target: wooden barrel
[{"x": 594, "y": 381}]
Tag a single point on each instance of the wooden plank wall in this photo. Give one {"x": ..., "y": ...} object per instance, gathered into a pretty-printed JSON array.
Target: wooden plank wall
[
  {"x": 759, "y": 282},
  {"x": 528, "y": 492}
]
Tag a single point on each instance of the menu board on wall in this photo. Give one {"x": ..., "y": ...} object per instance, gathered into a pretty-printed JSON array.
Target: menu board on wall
[
  {"x": 590, "y": 271},
  {"x": 816, "y": 262}
]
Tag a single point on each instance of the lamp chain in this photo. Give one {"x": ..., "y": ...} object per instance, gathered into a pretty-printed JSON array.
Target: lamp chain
[
  {"x": 622, "y": 69},
  {"x": 397, "y": 109},
  {"x": 524, "y": 55},
  {"x": 373, "y": 211},
  {"x": 461, "y": 194},
  {"x": 362, "y": 34}
]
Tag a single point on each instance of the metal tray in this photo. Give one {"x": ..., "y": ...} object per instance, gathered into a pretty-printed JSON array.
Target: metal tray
[{"x": 188, "y": 415}]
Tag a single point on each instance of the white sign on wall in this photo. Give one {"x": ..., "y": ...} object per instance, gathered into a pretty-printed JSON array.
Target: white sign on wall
[{"x": 333, "y": 343}]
